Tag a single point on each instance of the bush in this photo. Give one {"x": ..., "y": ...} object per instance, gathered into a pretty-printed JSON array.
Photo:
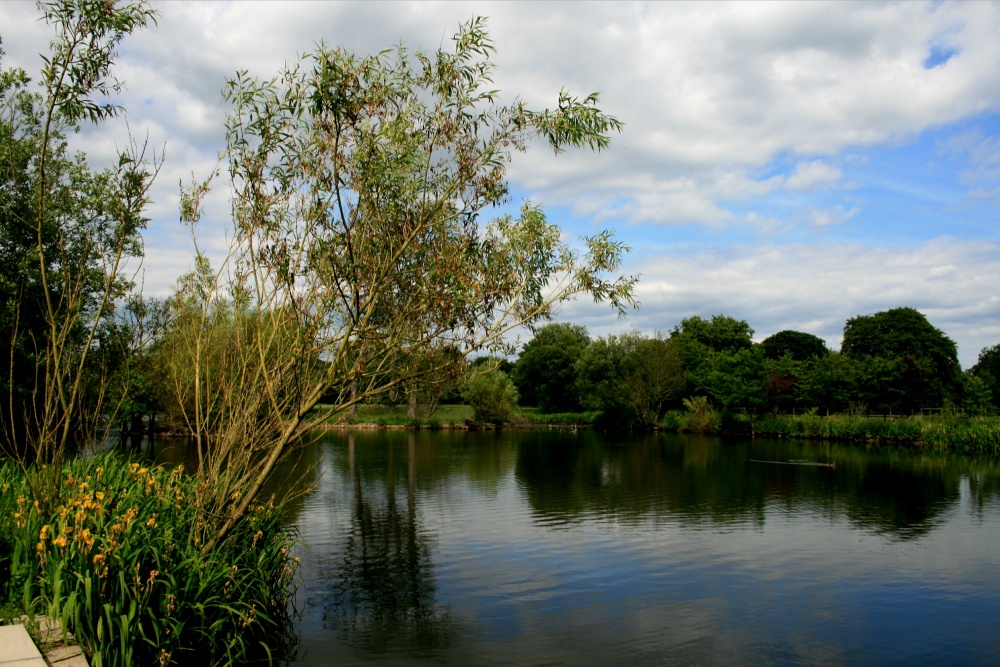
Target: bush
[
  {"x": 492, "y": 396},
  {"x": 113, "y": 550},
  {"x": 700, "y": 416}
]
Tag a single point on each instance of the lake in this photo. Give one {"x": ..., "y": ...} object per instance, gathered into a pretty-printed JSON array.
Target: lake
[{"x": 554, "y": 547}]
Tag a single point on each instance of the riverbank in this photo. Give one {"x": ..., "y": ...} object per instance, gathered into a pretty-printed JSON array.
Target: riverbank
[
  {"x": 967, "y": 435},
  {"x": 449, "y": 416}
]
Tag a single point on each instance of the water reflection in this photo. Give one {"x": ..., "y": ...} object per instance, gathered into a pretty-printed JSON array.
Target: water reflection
[
  {"x": 383, "y": 595},
  {"x": 698, "y": 479},
  {"x": 554, "y": 547}
]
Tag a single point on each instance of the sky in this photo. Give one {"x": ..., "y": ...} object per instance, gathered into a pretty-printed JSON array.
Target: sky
[{"x": 789, "y": 164}]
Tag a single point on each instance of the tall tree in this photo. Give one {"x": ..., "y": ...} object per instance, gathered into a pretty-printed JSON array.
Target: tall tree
[
  {"x": 630, "y": 378},
  {"x": 799, "y": 345},
  {"x": 67, "y": 233},
  {"x": 359, "y": 184},
  {"x": 987, "y": 369},
  {"x": 926, "y": 368},
  {"x": 721, "y": 334},
  {"x": 545, "y": 372}
]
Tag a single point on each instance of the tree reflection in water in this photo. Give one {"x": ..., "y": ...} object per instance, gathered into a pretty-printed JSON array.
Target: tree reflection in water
[{"x": 384, "y": 596}]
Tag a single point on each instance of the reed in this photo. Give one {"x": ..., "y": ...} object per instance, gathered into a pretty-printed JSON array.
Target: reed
[
  {"x": 968, "y": 435},
  {"x": 531, "y": 416},
  {"x": 112, "y": 549}
]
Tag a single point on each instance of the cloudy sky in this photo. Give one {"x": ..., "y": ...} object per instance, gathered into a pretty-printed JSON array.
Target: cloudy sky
[{"x": 790, "y": 164}]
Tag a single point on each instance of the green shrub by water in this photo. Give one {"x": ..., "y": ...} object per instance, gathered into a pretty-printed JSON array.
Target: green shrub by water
[{"x": 112, "y": 549}]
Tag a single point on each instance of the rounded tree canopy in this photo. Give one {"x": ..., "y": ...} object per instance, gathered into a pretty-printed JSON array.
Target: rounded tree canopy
[
  {"x": 799, "y": 345},
  {"x": 905, "y": 334},
  {"x": 721, "y": 333}
]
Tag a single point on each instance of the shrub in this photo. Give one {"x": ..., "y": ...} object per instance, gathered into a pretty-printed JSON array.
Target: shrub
[
  {"x": 492, "y": 396},
  {"x": 700, "y": 416}
]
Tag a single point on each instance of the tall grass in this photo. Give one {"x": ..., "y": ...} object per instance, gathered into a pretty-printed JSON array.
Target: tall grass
[
  {"x": 533, "y": 417},
  {"x": 971, "y": 435},
  {"x": 112, "y": 549}
]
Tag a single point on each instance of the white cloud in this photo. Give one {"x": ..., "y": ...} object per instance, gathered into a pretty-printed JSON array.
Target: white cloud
[
  {"x": 717, "y": 99},
  {"x": 816, "y": 288},
  {"x": 835, "y": 215},
  {"x": 813, "y": 175}
]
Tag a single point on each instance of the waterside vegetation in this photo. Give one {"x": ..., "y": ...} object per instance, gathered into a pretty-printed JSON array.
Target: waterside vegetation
[
  {"x": 112, "y": 549},
  {"x": 362, "y": 264}
]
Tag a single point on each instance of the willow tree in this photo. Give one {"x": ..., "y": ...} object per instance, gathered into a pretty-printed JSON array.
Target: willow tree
[
  {"x": 68, "y": 233},
  {"x": 362, "y": 188}
]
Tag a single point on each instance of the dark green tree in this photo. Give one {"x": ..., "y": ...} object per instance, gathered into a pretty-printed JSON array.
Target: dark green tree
[
  {"x": 721, "y": 334},
  {"x": 545, "y": 372},
  {"x": 977, "y": 397},
  {"x": 923, "y": 368},
  {"x": 987, "y": 369},
  {"x": 782, "y": 378},
  {"x": 630, "y": 378},
  {"x": 732, "y": 378},
  {"x": 799, "y": 345},
  {"x": 831, "y": 384}
]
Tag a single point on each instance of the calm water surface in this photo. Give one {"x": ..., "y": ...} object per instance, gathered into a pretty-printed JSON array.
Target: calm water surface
[{"x": 546, "y": 548}]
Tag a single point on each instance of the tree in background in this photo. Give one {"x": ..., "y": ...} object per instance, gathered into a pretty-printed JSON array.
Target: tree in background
[
  {"x": 789, "y": 355},
  {"x": 545, "y": 372},
  {"x": 710, "y": 349},
  {"x": 630, "y": 378},
  {"x": 731, "y": 378},
  {"x": 987, "y": 370},
  {"x": 721, "y": 334},
  {"x": 799, "y": 345},
  {"x": 919, "y": 362},
  {"x": 831, "y": 384}
]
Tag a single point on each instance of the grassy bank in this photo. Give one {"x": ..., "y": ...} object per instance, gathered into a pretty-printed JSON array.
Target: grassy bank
[
  {"x": 971, "y": 435},
  {"x": 395, "y": 416},
  {"x": 532, "y": 417},
  {"x": 446, "y": 416},
  {"x": 112, "y": 549}
]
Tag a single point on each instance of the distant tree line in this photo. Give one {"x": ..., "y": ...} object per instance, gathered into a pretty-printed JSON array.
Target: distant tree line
[{"x": 890, "y": 362}]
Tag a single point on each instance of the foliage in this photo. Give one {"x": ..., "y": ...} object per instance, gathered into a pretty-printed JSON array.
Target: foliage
[
  {"x": 987, "y": 369},
  {"x": 67, "y": 233},
  {"x": 782, "y": 379},
  {"x": 799, "y": 345},
  {"x": 969, "y": 435},
  {"x": 699, "y": 416},
  {"x": 630, "y": 378},
  {"x": 923, "y": 363},
  {"x": 545, "y": 372},
  {"x": 720, "y": 334},
  {"x": 732, "y": 378},
  {"x": 831, "y": 383},
  {"x": 492, "y": 396},
  {"x": 358, "y": 249},
  {"x": 977, "y": 395},
  {"x": 113, "y": 551}
]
